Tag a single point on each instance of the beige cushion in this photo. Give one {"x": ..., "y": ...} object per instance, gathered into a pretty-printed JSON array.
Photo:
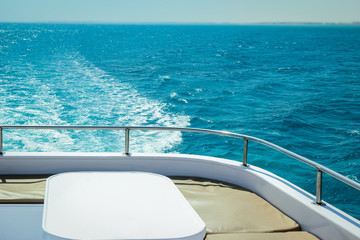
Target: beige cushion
[
  {"x": 227, "y": 208},
  {"x": 22, "y": 190},
  {"x": 298, "y": 235}
]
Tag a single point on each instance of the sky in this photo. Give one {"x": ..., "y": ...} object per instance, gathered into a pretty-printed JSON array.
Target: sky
[{"x": 180, "y": 11}]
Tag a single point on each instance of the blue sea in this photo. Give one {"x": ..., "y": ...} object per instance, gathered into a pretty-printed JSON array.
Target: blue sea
[{"x": 295, "y": 86}]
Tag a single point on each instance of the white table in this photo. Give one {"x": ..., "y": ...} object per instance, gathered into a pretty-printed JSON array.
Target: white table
[{"x": 118, "y": 205}]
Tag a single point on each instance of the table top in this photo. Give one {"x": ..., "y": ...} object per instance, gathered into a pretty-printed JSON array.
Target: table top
[{"x": 118, "y": 205}]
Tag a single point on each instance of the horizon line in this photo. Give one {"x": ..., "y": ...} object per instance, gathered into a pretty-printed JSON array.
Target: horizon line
[{"x": 282, "y": 23}]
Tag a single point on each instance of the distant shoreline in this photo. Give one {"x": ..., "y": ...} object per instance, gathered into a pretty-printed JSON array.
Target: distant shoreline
[{"x": 357, "y": 23}]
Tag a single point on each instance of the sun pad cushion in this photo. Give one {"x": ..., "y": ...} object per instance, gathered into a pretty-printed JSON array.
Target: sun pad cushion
[
  {"x": 22, "y": 190},
  {"x": 227, "y": 208},
  {"x": 298, "y": 235}
]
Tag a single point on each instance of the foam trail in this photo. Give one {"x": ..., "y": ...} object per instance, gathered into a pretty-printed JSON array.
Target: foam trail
[
  {"x": 78, "y": 93},
  {"x": 25, "y": 100}
]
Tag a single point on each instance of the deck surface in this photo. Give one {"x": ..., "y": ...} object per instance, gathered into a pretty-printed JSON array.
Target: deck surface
[{"x": 230, "y": 212}]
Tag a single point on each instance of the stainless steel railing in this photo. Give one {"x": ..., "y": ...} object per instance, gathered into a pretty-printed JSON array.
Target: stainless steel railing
[{"x": 319, "y": 168}]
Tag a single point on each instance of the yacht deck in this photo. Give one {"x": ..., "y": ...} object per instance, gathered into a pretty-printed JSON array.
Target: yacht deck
[{"x": 230, "y": 212}]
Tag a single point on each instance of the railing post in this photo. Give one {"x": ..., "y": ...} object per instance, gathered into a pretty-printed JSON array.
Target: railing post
[
  {"x": 318, "y": 187},
  {"x": 245, "y": 152},
  {"x": 127, "y": 140},
  {"x": 1, "y": 141}
]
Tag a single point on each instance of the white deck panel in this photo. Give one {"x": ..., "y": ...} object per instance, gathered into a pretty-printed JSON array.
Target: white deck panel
[{"x": 118, "y": 205}]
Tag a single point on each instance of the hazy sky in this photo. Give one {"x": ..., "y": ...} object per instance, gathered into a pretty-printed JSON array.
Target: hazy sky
[{"x": 180, "y": 11}]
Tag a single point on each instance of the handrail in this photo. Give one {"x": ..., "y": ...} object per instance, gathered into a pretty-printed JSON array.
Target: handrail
[{"x": 320, "y": 168}]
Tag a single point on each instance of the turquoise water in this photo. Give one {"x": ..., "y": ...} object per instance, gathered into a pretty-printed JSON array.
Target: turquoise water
[{"x": 298, "y": 87}]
